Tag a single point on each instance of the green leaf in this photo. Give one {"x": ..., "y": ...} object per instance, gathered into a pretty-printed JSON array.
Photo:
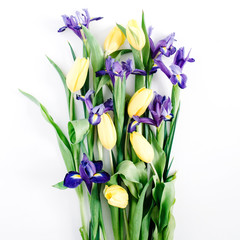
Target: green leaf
[
  {"x": 168, "y": 232},
  {"x": 169, "y": 142},
  {"x": 146, "y": 48},
  {"x": 60, "y": 186},
  {"x": 63, "y": 143},
  {"x": 72, "y": 51},
  {"x": 104, "y": 80},
  {"x": 95, "y": 209},
  {"x": 167, "y": 201},
  {"x": 123, "y": 29},
  {"x": 96, "y": 54},
  {"x": 63, "y": 78},
  {"x": 136, "y": 220},
  {"x": 159, "y": 156},
  {"x": 119, "y": 53},
  {"x": 77, "y": 130}
]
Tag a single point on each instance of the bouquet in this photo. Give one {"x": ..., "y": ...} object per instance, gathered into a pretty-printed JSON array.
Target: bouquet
[{"x": 132, "y": 135}]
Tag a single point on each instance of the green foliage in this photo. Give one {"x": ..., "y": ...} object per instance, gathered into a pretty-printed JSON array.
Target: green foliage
[
  {"x": 77, "y": 130},
  {"x": 60, "y": 186}
]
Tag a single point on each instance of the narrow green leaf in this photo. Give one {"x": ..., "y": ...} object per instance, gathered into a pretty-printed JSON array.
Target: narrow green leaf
[
  {"x": 104, "y": 80},
  {"x": 72, "y": 51},
  {"x": 95, "y": 209},
  {"x": 96, "y": 54},
  {"x": 119, "y": 53},
  {"x": 60, "y": 186},
  {"x": 63, "y": 143},
  {"x": 136, "y": 221},
  {"x": 146, "y": 48}
]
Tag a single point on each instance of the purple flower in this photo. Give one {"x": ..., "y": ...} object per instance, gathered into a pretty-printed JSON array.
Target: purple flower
[
  {"x": 163, "y": 47},
  {"x": 74, "y": 22},
  {"x": 160, "y": 109},
  {"x": 96, "y": 112},
  {"x": 179, "y": 59},
  {"x": 178, "y": 77},
  {"x": 113, "y": 68},
  {"x": 89, "y": 172}
]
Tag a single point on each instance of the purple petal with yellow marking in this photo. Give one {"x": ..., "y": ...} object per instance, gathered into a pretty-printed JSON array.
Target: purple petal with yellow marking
[
  {"x": 101, "y": 177},
  {"x": 72, "y": 179}
]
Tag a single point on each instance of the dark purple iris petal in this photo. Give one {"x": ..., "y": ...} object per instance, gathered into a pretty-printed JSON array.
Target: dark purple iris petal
[
  {"x": 72, "y": 179},
  {"x": 139, "y": 72},
  {"x": 87, "y": 99},
  {"x": 108, "y": 105},
  {"x": 74, "y": 22},
  {"x": 100, "y": 177},
  {"x": 98, "y": 165},
  {"x": 179, "y": 58},
  {"x": 94, "y": 118},
  {"x": 162, "y": 67}
]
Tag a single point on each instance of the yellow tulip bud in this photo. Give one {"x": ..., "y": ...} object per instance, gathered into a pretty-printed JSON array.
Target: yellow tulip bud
[
  {"x": 77, "y": 75},
  {"x": 107, "y": 132},
  {"x": 116, "y": 196},
  {"x": 139, "y": 102},
  {"x": 114, "y": 40},
  {"x": 142, "y": 147},
  {"x": 135, "y": 35}
]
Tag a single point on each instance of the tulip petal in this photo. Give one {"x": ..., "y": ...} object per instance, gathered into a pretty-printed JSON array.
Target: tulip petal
[{"x": 72, "y": 179}]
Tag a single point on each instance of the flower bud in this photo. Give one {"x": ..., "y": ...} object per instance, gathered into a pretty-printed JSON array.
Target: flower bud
[
  {"x": 139, "y": 102},
  {"x": 107, "y": 132},
  {"x": 135, "y": 35},
  {"x": 116, "y": 196},
  {"x": 114, "y": 40},
  {"x": 142, "y": 147},
  {"x": 77, "y": 75}
]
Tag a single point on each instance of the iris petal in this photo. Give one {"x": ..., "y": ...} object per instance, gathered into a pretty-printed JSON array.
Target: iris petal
[
  {"x": 72, "y": 179},
  {"x": 101, "y": 177}
]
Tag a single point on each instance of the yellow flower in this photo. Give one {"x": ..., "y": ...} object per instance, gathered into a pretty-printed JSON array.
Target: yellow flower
[
  {"x": 139, "y": 102},
  {"x": 116, "y": 196},
  {"x": 107, "y": 132},
  {"x": 135, "y": 35},
  {"x": 114, "y": 40},
  {"x": 142, "y": 147},
  {"x": 77, "y": 75}
]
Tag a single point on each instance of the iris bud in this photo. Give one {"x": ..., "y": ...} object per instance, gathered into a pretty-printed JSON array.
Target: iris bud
[
  {"x": 142, "y": 147},
  {"x": 139, "y": 102},
  {"x": 107, "y": 132},
  {"x": 135, "y": 35},
  {"x": 77, "y": 75},
  {"x": 114, "y": 40},
  {"x": 116, "y": 196}
]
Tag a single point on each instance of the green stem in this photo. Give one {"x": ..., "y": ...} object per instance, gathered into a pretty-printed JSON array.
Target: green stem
[
  {"x": 160, "y": 134},
  {"x": 71, "y": 106},
  {"x": 79, "y": 191},
  {"x": 111, "y": 161},
  {"x": 126, "y": 155},
  {"x": 126, "y": 223},
  {"x": 155, "y": 172}
]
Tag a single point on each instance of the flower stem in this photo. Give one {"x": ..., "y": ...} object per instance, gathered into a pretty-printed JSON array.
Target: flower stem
[
  {"x": 111, "y": 161},
  {"x": 155, "y": 172},
  {"x": 71, "y": 106},
  {"x": 126, "y": 223},
  {"x": 126, "y": 155}
]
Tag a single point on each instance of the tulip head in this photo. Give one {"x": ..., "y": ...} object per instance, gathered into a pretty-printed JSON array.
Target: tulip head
[
  {"x": 77, "y": 75},
  {"x": 135, "y": 35},
  {"x": 142, "y": 147},
  {"x": 107, "y": 132},
  {"x": 114, "y": 40},
  {"x": 116, "y": 196},
  {"x": 139, "y": 102}
]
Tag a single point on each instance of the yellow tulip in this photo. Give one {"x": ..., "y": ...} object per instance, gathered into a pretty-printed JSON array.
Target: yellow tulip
[
  {"x": 116, "y": 196},
  {"x": 142, "y": 147},
  {"x": 107, "y": 132},
  {"x": 139, "y": 102},
  {"x": 135, "y": 35},
  {"x": 77, "y": 75},
  {"x": 114, "y": 40}
]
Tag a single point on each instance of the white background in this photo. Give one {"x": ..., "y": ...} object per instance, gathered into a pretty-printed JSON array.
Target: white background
[{"x": 206, "y": 147}]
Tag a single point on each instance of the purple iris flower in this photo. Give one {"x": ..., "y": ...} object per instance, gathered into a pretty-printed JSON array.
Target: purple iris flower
[
  {"x": 179, "y": 58},
  {"x": 96, "y": 112},
  {"x": 89, "y": 172},
  {"x": 74, "y": 22},
  {"x": 160, "y": 109},
  {"x": 163, "y": 47},
  {"x": 113, "y": 68},
  {"x": 178, "y": 77}
]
